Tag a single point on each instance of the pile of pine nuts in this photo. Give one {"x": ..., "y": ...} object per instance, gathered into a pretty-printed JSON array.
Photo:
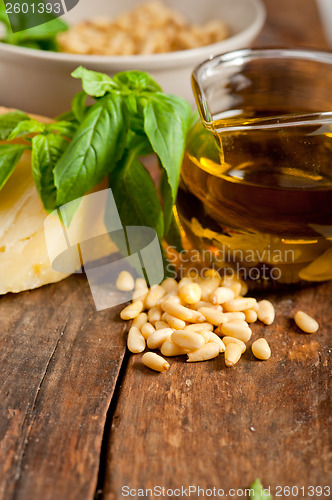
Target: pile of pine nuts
[{"x": 200, "y": 318}]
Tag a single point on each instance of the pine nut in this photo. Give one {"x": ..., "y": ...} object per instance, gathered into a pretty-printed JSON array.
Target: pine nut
[
  {"x": 187, "y": 340},
  {"x": 236, "y": 289},
  {"x": 237, "y": 330},
  {"x": 147, "y": 330},
  {"x": 230, "y": 340},
  {"x": 244, "y": 288},
  {"x": 266, "y": 312},
  {"x": 200, "y": 327},
  {"x": 159, "y": 325},
  {"x": 190, "y": 293},
  {"x": 211, "y": 315},
  {"x": 169, "y": 348},
  {"x": 235, "y": 316},
  {"x": 125, "y": 282},
  {"x": 250, "y": 315},
  {"x": 182, "y": 312},
  {"x": 172, "y": 297},
  {"x": 155, "y": 362},
  {"x": 212, "y": 273},
  {"x": 255, "y": 307},
  {"x": 203, "y": 303},
  {"x": 230, "y": 318},
  {"x": 208, "y": 286},
  {"x": 158, "y": 337},
  {"x": 214, "y": 338},
  {"x": 154, "y": 296},
  {"x": 305, "y": 322},
  {"x": 170, "y": 285},
  {"x": 173, "y": 322},
  {"x": 261, "y": 349},
  {"x": 208, "y": 351},
  {"x": 154, "y": 314},
  {"x": 221, "y": 294},
  {"x": 132, "y": 310},
  {"x": 205, "y": 334},
  {"x": 140, "y": 320},
  {"x": 140, "y": 294},
  {"x": 140, "y": 284},
  {"x": 135, "y": 340},
  {"x": 228, "y": 280},
  {"x": 232, "y": 354},
  {"x": 185, "y": 281},
  {"x": 239, "y": 304}
]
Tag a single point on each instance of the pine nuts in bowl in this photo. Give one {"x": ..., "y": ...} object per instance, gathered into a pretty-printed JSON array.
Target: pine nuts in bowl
[{"x": 48, "y": 87}]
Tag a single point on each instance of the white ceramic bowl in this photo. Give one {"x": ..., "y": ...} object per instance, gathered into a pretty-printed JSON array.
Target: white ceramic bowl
[{"x": 40, "y": 82}]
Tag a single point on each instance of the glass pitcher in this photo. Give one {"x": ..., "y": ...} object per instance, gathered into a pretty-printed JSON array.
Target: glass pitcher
[{"x": 255, "y": 195}]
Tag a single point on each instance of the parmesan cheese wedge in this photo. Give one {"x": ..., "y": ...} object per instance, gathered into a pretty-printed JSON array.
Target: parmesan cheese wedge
[
  {"x": 24, "y": 261},
  {"x": 24, "y": 256}
]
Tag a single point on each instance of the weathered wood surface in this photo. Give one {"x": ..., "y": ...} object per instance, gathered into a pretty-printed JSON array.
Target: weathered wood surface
[
  {"x": 211, "y": 426},
  {"x": 205, "y": 425},
  {"x": 198, "y": 424},
  {"x": 293, "y": 23}
]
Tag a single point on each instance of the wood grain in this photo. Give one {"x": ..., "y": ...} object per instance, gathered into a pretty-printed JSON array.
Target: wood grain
[
  {"x": 197, "y": 424},
  {"x": 292, "y": 23},
  {"x": 59, "y": 362},
  {"x": 211, "y": 426}
]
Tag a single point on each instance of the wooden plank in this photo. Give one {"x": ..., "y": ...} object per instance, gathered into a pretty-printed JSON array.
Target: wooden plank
[
  {"x": 59, "y": 362},
  {"x": 203, "y": 424},
  {"x": 292, "y": 23},
  {"x": 208, "y": 425}
]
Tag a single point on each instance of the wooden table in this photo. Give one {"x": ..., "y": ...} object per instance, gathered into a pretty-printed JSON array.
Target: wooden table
[{"x": 80, "y": 418}]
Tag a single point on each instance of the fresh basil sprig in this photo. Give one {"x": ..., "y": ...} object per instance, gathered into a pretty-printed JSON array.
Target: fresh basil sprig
[{"x": 129, "y": 117}]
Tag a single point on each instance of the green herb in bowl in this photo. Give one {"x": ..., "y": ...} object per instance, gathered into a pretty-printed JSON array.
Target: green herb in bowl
[{"x": 20, "y": 28}]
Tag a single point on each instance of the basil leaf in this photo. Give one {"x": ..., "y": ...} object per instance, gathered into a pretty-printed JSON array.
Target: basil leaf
[
  {"x": 46, "y": 150},
  {"x": 4, "y": 16},
  {"x": 166, "y": 120},
  {"x": 139, "y": 142},
  {"x": 10, "y": 155},
  {"x": 172, "y": 232},
  {"x": 35, "y": 24},
  {"x": 96, "y": 146},
  {"x": 68, "y": 116},
  {"x": 137, "y": 80},
  {"x": 26, "y": 127},
  {"x": 173, "y": 237},
  {"x": 168, "y": 202},
  {"x": 78, "y": 105},
  {"x": 135, "y": 195},
  {"x": 9, "y": 121},
  {"x": 66, "y": 129},
  {"x": 257, "y": 488},
  {"x": 93, "y": 83}
]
